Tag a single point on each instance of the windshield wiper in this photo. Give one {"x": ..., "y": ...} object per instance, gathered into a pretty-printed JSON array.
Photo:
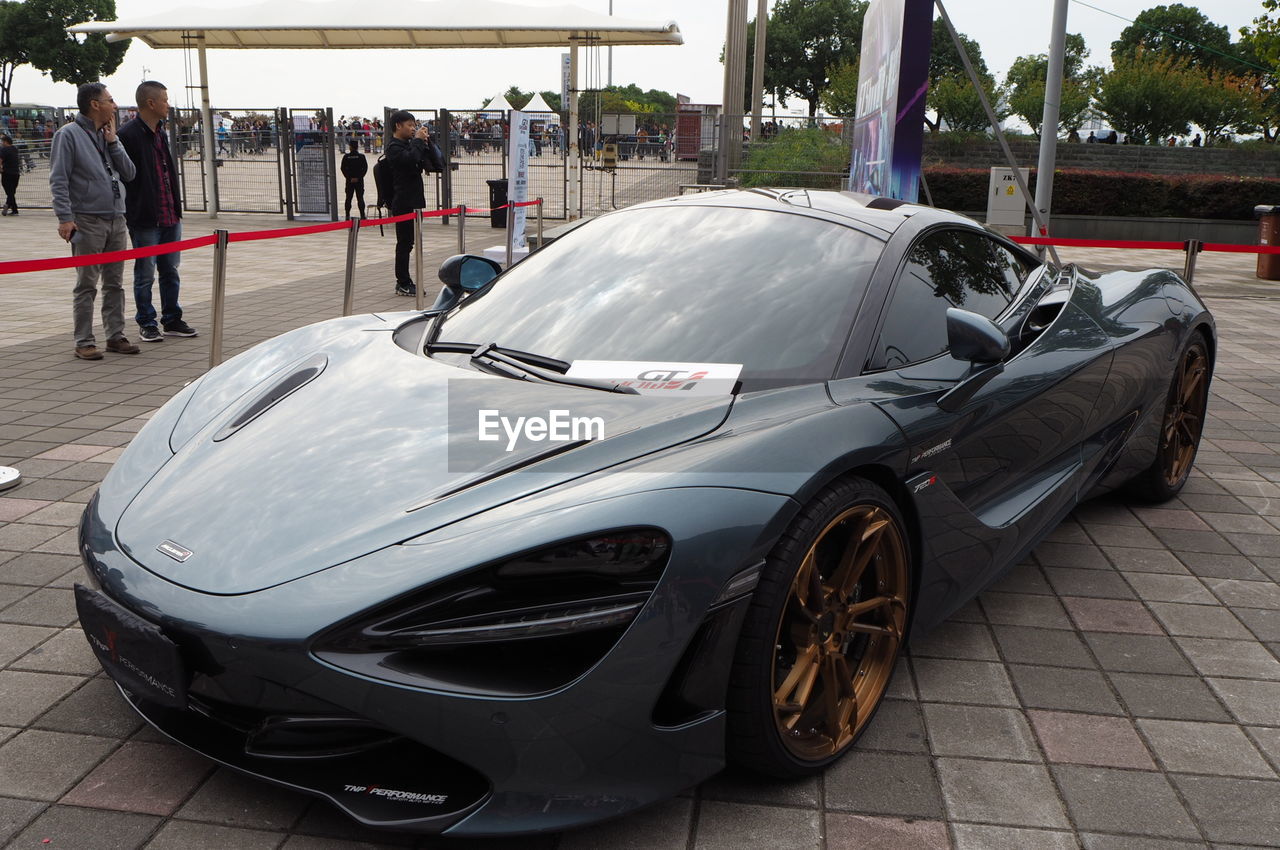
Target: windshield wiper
[{"x": 491, "y": 354}]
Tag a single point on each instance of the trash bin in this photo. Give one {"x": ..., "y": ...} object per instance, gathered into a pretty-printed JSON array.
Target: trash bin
[
  {"x": 497, "y": 198},
  {"x": 1268, "y": 234}
]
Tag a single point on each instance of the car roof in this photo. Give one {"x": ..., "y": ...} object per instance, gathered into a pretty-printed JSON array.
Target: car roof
[{"x": 870, "y": 212}]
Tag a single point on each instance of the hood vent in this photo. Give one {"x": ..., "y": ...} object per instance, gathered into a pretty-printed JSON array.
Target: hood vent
[{"x": 304, "y": 374}]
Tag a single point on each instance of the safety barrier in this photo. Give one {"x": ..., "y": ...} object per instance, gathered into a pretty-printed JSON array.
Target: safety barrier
[
  {"x": 222, "y": 239},
  {"x": 1192, "y": 247}
]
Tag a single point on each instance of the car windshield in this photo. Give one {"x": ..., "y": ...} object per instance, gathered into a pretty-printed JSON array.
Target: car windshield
[{"x": 772, "y": 291}]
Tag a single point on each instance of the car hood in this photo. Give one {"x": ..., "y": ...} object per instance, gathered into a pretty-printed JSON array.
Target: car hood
[{"x": 379, "y": 445}]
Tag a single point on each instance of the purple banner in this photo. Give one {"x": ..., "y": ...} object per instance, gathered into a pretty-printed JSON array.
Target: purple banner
[{"x": 888, "y": 130}]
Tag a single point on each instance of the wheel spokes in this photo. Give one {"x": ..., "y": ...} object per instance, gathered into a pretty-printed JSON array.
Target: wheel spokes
[{"x": 857, "y": 556}]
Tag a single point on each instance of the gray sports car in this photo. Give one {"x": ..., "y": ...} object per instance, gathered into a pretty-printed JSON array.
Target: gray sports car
[{"x": 675, "y": 489}]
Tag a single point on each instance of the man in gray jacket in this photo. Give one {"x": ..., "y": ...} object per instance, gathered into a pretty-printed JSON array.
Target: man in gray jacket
[{"x": 87, "y": 164}]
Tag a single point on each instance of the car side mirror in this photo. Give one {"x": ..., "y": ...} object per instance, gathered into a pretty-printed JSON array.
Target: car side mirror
[
  {"x": 975, "y": 338},
  {"x": 466, "y": 273}
]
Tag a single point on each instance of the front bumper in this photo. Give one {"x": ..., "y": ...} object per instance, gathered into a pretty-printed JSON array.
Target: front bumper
[{"x": 438, "y": 762}]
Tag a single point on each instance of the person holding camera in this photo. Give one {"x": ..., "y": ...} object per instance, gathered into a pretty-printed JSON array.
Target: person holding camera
[{"x": 408, "y": 154}]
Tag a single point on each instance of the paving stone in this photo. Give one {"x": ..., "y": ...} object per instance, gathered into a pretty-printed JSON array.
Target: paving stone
[
  {"x": 1172, "y": 518},
  {"x": 1051, "y": 647},
  {"x": 884, "y": 784},
  {"x": 41, "y": 765},
  {"x": 1220, "y": 566},
  {"x": 1144, "y": 560},
  {"x": 1090, "y": 739},
  {"x": 897, "y": 726},
  {"x": 20, "y": 537},
  {"x": 1155, "y": 587},
  {"x": 977, "y": 837},
  {"x": 1024, "y": 609},
  {"x": 141, "y": 777},
  {"x": 1239, "y": 810},
  {"x": 26, "y": 695},
  {"x": 1168, "y": 697},
  {"x": 1100, "y": 583},
  {"x": 1246, "y": 594},
  {"x": 1268, "y": 742},
  {"x": 954, "y": 639},
  {"x": 97, "y": 708},
  {"x": 37, "y": 568},
  {"x": 729, "y": 826},
  {"x": 15, "y": 814},
  {"x": 1264, "y": 624},
  {"x": 1180, "y": 540},
  {"x": 66, "y": 652},
  {"x": 1000, "y": 793},
  {"x": 1232, "y": 658},
  {"x": 69, "y": 826},
  {"x": 1022, "y": 578},
  {"x": 1138, "y": 654},
  {"x": 44, "y": 607},
  {"x": 1059, "y": 688},
  {"x": 1215, "y": 748},
  {"x": 1104, "y": 799},
  {"x": 854, "y": 832},
  {"x": 1098, "y": 841},
  {"x": 979, "y": 731},
  {"x": 11, "y": 594},
  {"x": 15, "y": 509},
  {"x": 1250, "y": 701},
  {"x": 233, "y": 800},
  {"x": 17, "y": 640},
  {"x": 1198, "y": 620},
  {"x": 1085, "y": 556},
  {"x": 736, "y": 786},
  {"x": 901, "y": 685},
  {"x": 948, "y": 680},
  {"x": 1134, "y": 537},
  {"x": 1111, "y": 615}
]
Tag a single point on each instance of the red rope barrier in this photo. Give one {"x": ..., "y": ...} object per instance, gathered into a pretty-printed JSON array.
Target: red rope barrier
[
  {"x": 280, "y": 233},
  {"x": 1099, "y": 243},
  {"x": 1240, "y": 249},
  {"x": 17, "y": 266}
]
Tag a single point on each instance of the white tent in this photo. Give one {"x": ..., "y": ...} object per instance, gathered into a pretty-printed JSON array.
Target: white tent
[
  {"x": 340, "y": 24},
  {"x": 539, "y": 109},
  {"x": 498, "y": 106}
]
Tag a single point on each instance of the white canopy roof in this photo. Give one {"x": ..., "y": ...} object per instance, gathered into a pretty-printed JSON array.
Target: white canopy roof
[
  {"x": 497, "y": 103},
  {"x": 538, "y": 106},
  {"x": 341, "y": 24}
]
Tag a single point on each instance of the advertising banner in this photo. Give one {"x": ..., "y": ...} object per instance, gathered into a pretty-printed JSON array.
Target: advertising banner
[
  {"x": 518, "y": 176},
  {"x": 893, "y": 79}
]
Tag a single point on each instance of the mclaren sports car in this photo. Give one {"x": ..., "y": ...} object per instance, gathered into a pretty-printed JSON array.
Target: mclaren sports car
[{"x": 673, "y": 491}]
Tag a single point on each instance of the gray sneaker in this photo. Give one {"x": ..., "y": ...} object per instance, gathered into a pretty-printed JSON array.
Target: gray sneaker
[{"x": 150, "y": 333}]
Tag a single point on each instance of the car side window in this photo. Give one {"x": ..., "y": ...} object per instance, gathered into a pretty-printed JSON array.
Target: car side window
[{"x": 947, "y": 268}]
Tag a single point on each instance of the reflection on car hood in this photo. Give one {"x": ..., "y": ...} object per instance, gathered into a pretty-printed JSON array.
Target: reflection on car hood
[{"x": 380, "y": 447}]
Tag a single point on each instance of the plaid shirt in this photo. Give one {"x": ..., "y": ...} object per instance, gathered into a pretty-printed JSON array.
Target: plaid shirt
[{"x": 166, "y": 206}]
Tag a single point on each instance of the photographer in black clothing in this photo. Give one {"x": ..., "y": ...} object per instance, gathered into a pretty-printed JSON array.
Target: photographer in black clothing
[
  {"x": 10, "y": 171},
  {"x": 407, "y": 155},
  {"x": 354, "y": 168}
]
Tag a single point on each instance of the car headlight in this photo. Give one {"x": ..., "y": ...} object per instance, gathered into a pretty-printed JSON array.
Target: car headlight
[{"x": 527, "y": 624}]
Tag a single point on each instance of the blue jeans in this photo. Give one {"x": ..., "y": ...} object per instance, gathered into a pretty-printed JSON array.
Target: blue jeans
[{"x": 144, "y": 273}]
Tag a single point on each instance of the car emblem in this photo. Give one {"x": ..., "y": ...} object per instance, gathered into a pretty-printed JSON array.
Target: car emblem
[{"x": 173, "y": 550}]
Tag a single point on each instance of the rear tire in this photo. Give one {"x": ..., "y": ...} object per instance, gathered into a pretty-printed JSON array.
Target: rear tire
[
  {"x": 1181, "y": 427},
  {"x": 822, "y": 633}
]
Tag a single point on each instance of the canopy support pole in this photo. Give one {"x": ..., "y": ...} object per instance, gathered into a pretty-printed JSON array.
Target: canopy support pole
[
  {"x": 206, "y": 130},
  {"x": 757, "y": 68},
  {"x": 571, "y": 137},
  {"x": 1052, "y": 106}
]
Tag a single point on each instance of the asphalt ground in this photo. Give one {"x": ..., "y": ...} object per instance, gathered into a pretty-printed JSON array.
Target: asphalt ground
[{"x": 1119, "y": 689}]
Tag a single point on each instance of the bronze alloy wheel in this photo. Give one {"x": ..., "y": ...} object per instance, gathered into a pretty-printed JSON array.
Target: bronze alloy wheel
[
  {"x": 1184, "y": 419},
  {"x": 840, "y": 630}
]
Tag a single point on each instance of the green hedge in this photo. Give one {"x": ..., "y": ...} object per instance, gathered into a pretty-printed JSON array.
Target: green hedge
[{"x": 1108, "y": 193}]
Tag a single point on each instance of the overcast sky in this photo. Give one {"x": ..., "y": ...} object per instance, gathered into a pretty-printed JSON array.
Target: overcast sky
[{"x": 362, "y": 82}]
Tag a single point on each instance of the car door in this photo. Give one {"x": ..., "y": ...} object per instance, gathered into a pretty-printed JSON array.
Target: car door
[{"x": 1008, "y": 455}]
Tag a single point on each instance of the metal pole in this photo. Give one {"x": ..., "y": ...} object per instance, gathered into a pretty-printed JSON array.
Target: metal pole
[
  {"x": 610, "y": 83},
  {"x": 1192, "y": 247},
  {"x": 206, "y": 130},
  {"x": 511, "y": 230},
  {"x": 349, "y": 287},
  {"x": 571, "y": 137},
  {"x": 419, "y": 296},
  {"x": 462, "y": 228},
  {"x": 995, "y": 122},
  {"x": 757, "y": 68},
  {"x": 735, "y": 71},
  {"x": 329, "y": 169},
  {"x": 539, "y": 222},
  {"x": 1052, "y": 102},
  {"x": 219, "y": 296},
  {"x": 284, "y": 138}
]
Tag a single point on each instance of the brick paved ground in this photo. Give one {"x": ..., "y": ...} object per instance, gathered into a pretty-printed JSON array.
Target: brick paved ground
[{"x": 1121, "y": 689}]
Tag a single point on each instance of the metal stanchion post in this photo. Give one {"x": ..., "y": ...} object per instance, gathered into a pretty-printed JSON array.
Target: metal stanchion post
[
  {"x": 462, "y": 228},
  {"x": 1192, "y": 247},
  {"x": 349, "y": 284},
  {"x": 539, "y": 222},
  {"x": 418, "y": 296},
  {"x": 511, "y": 230},
  {"x": 219, "y": 296}
]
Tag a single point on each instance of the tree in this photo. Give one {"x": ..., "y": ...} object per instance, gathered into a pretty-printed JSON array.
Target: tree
[
  {"x": 1148, "y": 99},
  {"x": 945, "y": 65},
  {"x": 807, "y": 41},
  {"x": 956, "y": 102},
  {"x": 517, "y": 98},
  {"x": 1175, "y": 31},
  {"x": 1260, "y": 55},
  {"x": 628, "y": 99},
  {"x": 34, "y": 33},
  {"x": 944, "y": 59},
  {"x": 841, "y": 95},
  {"x": 1027, "y": 79},
  {"x": 1224, "y": 102}
]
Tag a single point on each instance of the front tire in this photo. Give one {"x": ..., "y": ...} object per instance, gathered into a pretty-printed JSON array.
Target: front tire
[
  {"x": 1181, "y": 428},
  {"x": 822, "y": 634}
]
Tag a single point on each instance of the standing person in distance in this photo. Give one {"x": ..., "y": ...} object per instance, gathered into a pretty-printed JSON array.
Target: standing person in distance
[
  {"x": 10, "y": 171},
  {"x": 354, "y": 168},
  {"x": 406, "y": 155},
  {"x": 153, "y": 211},
  {"x": 86, "y": 166}
]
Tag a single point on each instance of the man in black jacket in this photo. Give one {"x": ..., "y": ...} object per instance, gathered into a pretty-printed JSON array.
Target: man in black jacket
[
  {"x": 354, "y": 168},
  {"x": 11, "y": 169},
  {"x": 153, "y": 212},
  {"x": 407, "y": 155}
]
